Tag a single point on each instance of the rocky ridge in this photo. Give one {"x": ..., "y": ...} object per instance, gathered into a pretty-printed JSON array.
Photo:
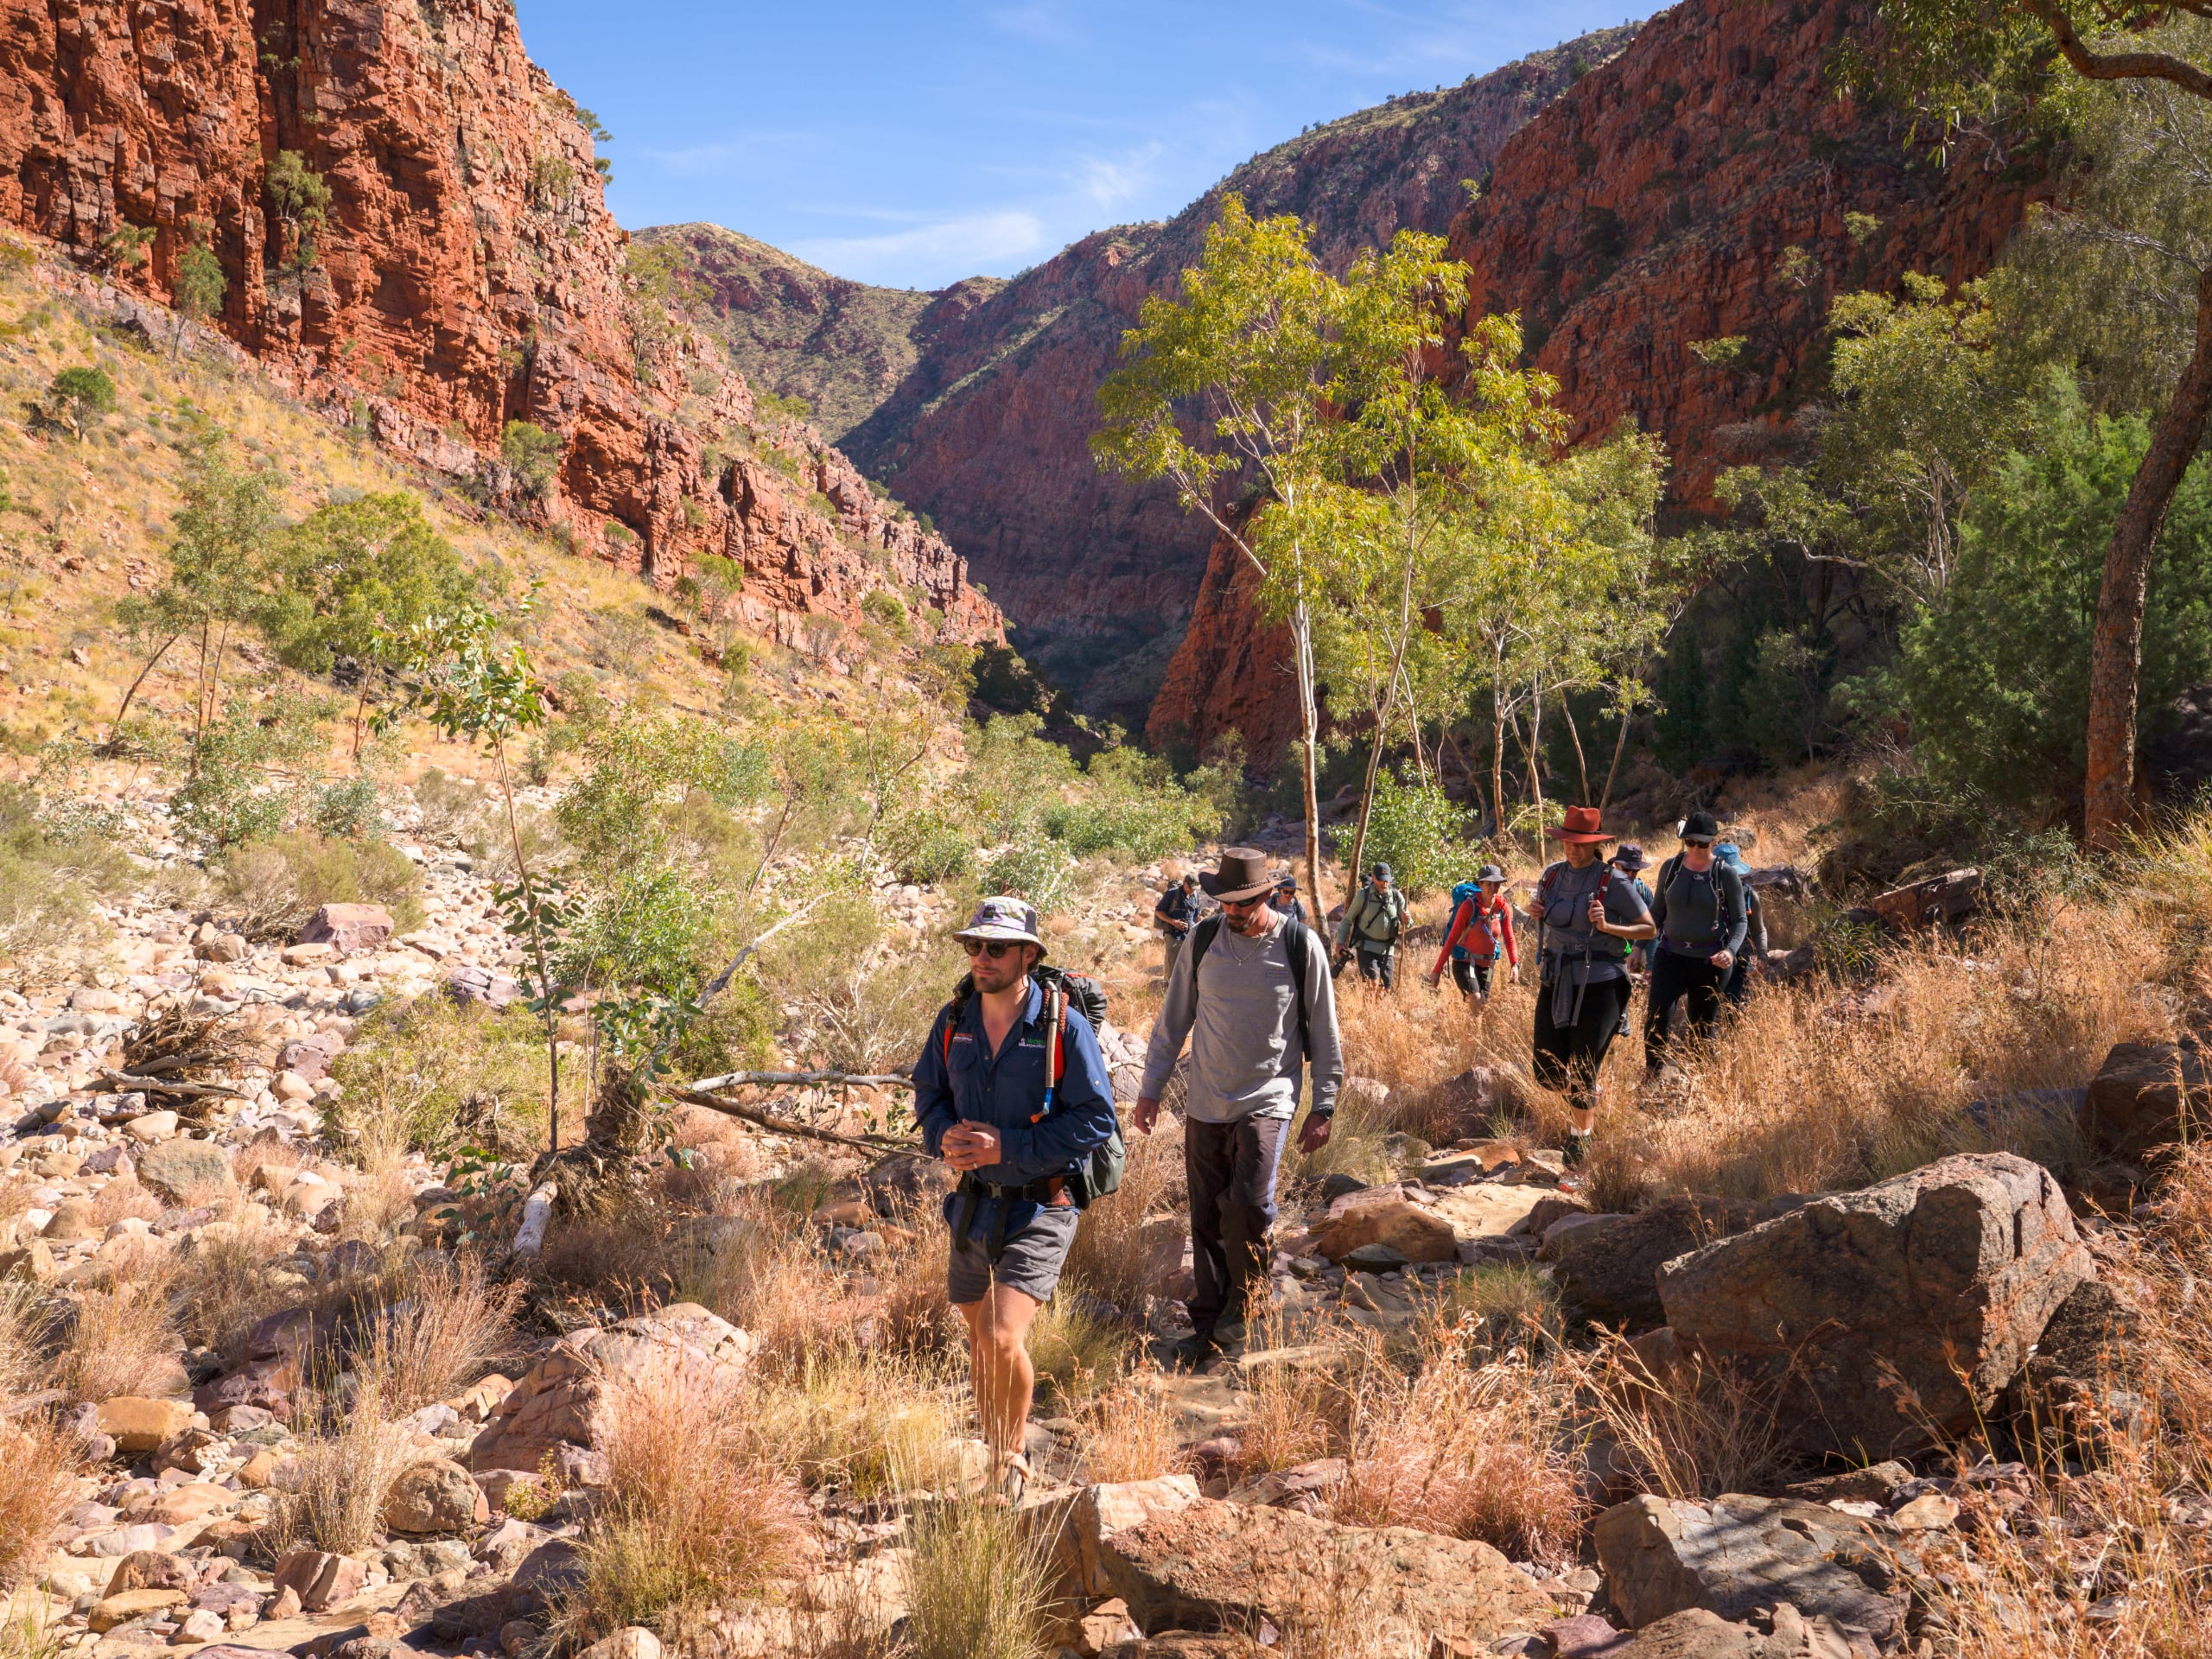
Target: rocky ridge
[
  {"x": 464, "y": 273},
  {"x": 987, "y": 430}
]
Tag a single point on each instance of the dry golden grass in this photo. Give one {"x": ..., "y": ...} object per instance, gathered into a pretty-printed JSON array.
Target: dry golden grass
[
  {"x": 1130, "y": 1433},
  {"x": 696, "y": 1511},
  {"x": 1484, "y": 1450},
  {"x": 351, "y": 1453},
  {"x": 122, "y": 1339},
  {"x": 1822, "y": 1085},
  {"x": 223, "y": 1286},
  {"x": 978, "y": 1585},
  {"x": 456, "y": 1326},
  {"x": 39, "y": 1461},
  {"x": 869, "y": 1422},
  {"x": 1078, "y": 1345},
  {"x": 123, "y": 1199}
]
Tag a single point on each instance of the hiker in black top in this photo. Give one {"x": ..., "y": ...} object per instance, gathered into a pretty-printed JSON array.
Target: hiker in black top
[
  {"x": 1699, "y": 905},
  {"x": 1175, "y": 915},
  {"x": 1582, "y": 911}
]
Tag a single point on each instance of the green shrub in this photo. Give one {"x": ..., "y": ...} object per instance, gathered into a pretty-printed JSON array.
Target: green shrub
[
  {"x": 887, "y": 608},
  {"x": 252, "y": 762},
  {"x": 276, "y": 885},
  {"x": 81, "y": 394},
  {"x": 1995, "y": 674},
  {"x": 532, "y": 454},
  {"x": 352, "y": 807},
  {"x": 1041, "y": 871},
  {"x": 925, "y": 846},
  {"x": 1417, "y": 831},
  {"x": 434, "y": 1075}
]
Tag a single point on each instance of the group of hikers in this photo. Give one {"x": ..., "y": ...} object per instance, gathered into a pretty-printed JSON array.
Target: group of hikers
[{"x": 1012, "y": 1089}]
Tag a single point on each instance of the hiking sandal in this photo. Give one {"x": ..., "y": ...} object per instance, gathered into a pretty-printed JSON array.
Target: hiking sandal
[{"x": 1014, "y": 1476}]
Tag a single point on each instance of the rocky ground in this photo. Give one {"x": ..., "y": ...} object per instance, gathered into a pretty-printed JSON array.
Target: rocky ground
[{"x": 1882, "y": 1344}]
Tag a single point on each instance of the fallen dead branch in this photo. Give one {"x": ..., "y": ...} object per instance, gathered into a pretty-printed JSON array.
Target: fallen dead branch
[{"x": 776, "y": 1125}]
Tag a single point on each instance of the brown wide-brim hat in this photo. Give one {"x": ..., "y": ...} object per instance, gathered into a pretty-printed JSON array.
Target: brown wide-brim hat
[
  {"x": 1583, "y": 825},
  {"x": 1244, "y": 875}
]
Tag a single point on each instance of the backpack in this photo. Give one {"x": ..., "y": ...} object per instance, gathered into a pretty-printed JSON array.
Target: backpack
[
  {"x": 1544, "y": 890},
  {"x": 1394, "y": 912},
  {"x": 1294, "y": 935},
  {"x": 1461, "y": 894},
  {"x": 1101, "y": 1173}
]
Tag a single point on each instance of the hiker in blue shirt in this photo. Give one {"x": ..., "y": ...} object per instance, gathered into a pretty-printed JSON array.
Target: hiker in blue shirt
[{"x": 986, "y": 1104}]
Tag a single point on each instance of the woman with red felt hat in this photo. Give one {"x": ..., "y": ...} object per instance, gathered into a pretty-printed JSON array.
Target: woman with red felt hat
[{"x": 1583, "y": 910}]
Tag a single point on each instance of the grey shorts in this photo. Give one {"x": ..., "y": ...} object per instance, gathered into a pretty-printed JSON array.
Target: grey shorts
[{"x": 1031, "y": 1262}]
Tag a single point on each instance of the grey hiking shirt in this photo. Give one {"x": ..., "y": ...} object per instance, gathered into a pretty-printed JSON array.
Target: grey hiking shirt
[{"x": 1243, "y": 1031}]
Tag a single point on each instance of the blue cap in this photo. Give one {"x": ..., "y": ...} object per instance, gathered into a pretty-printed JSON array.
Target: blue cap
[{"x": 1729, "y": 853}]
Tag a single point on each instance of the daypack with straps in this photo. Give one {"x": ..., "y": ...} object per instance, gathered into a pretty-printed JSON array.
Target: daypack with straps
[
  {"x": 1294, "y": 935},
  {"x": 1478, "y": 922},
  {"x": 1672, "y": 868},
  {"x": 1100, "y": 1173},
  {"x": 1544, "y": 886},
  {"x": 1394, "y": 915}
]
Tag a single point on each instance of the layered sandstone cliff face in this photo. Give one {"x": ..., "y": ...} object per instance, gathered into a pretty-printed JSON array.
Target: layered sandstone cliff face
[
  {"x": 465, "y": 274},
  {"x": 989, "y": 430},
  {"x": 1654, "y": 207}
]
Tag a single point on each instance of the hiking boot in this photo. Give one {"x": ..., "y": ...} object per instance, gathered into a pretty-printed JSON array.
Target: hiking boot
[
  {"x": 1229, "y": 1340},
  {"x": 1577, "y": 1149},
  {"x": 1194, "y": 1352}
]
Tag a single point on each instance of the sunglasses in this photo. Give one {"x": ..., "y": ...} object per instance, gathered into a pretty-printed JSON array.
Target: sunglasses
[
  {"x": 1695, "y": 842},
  {"x": 993, "y": 949},
  {"x": 1244, "y": 904}
]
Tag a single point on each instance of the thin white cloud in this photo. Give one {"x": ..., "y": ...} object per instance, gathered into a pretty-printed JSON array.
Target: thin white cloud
[
  {"x": 745, "y": 155},
  {"x": 1043, "y": 23},
  {"x": 971, "y": 243}
]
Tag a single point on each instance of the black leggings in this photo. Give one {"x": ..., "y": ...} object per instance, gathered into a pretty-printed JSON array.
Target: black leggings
[
  {"x": 1472, "y": 978},
  {"x": 1569, "y": 1057},
  {"x": 1673, "y": 979}
]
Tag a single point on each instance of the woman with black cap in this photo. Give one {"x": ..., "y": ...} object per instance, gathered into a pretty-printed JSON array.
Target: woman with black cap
[
  {"x": 1698, "y": 902},
  {"x": 1583, "y": 910}
]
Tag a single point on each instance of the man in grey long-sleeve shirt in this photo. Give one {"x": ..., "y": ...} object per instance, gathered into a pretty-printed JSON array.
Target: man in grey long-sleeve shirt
[{"x": 1237, "y": 996}]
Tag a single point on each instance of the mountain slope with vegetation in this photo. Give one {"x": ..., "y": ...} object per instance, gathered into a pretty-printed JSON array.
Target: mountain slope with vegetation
[{"x": 987, "y": 430}]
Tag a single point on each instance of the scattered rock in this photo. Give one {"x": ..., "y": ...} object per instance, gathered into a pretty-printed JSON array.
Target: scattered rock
[
  {"x": 1737, "y": 1555},
  {"x": 72, "y": 1220},
  {"x": 1211, "y": 1564},
  {"x": 1607, "y": 1266},
  {"x": 137, "y": 1424},
  {"x": 633, "y": 1642},
  {"x": 1951, "y": 897},
  {"x": 320, "y": 1580},
  {"x": 115, "y": 1610},
  {"x": 1385, "y": 1215},
  {"x": 349, "y": 927},
  {"x": 439, "y": 1496},
  {"x": 1929, "y": 1512},
  {"x": 187, "y": 1171},
  {"x": 562, "y": 1399},
  {"x": 2147, "y": 1094},
  {"x": 1881, "y": 1317}
]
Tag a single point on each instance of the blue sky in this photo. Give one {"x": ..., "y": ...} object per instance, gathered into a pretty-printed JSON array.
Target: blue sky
[{"x": 911, "y": 145}]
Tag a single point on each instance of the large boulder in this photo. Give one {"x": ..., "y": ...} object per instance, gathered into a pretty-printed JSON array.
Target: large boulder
[
  {"x": 564, "y": 1398},
  {"x": 320, "y": 1580},
  {"x": 1606, "y": 1268},
  {"x": 348, "y": 927},
  {"x": 2148, "y": 1094},
  {"x": 1736, "y": 1557},
  {"x": 1883, "y": 1317},
  {"x": 1215, "y": 1566}
]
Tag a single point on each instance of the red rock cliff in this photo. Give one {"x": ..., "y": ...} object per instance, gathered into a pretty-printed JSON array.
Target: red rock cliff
[
  {"x": 1651, "y": 207},
  {"x": 466, "y": 273}
]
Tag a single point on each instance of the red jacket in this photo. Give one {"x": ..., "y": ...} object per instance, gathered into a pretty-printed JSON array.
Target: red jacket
[{"x": 1485, "y": 925}]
